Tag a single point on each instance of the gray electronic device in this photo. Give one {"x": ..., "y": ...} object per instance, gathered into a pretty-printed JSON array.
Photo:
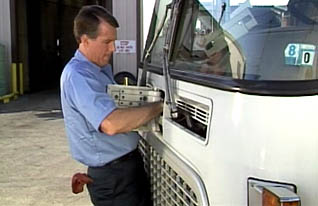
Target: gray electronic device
[{"x": 130, "y": 96}]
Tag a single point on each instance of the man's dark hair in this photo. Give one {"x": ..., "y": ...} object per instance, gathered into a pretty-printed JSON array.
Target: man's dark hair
[{"x": 88, "y": 20}]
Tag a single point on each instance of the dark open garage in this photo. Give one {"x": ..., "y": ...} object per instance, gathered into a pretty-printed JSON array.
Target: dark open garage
[{"x": 44, "y": 38}]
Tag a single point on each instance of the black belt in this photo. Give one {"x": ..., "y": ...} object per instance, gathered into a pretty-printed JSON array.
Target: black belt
[{"x": 123, "y": 158}]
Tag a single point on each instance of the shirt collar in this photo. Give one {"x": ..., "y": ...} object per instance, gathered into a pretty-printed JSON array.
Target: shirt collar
[
  {"x": 80, "y": 56},
  {"x": 107, "y": 70}
]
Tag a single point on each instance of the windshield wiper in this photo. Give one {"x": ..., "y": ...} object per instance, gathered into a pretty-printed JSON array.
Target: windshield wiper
[
  {"x": 166, "y": 54},
  {"x": 142, "y": 80}
]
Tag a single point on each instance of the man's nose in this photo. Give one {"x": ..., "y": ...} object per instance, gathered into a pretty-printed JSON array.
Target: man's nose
[{"x": 112, "y": 47}]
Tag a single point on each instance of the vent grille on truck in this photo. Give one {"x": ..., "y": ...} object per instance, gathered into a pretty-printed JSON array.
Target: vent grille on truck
[
  {"x": 167, "y": 186},
  {"x": 198, "y": 111}
]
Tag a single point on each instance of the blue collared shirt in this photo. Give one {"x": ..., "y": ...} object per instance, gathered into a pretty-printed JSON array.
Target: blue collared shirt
[{"x": 85, "y": 105}]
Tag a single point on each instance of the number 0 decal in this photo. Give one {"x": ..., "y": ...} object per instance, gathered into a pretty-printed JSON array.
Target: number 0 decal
[{"x": 306, "y": 57}]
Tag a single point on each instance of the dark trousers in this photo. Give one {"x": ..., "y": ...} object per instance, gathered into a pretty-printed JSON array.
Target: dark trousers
[{"x": 120, "y": 183}]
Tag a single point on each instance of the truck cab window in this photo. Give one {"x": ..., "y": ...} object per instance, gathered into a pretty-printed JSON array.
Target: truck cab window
[
  {"x": 242, "y": 44},
  {"x": 201, "y": 44},
  {"x": 157, "y": 33},
  {"x": 246, "y": 41}
]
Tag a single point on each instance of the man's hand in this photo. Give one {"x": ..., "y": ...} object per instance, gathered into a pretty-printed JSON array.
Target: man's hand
[{"x": 78, "y": 182}]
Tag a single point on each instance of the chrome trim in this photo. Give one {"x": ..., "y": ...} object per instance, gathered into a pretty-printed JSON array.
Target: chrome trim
[
  {"x": 166, "y": 167},
  {"x": 284, "y": 191}
]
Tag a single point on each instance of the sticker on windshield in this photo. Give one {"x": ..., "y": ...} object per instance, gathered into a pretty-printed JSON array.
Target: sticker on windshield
[{"x": 300, "y": 54}]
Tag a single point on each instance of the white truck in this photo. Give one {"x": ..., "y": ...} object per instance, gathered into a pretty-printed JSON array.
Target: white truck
[{"x": 241, "y": 103}]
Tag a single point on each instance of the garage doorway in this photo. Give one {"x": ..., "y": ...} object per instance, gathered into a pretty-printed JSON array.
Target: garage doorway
[{"x": 50, "y": 39}]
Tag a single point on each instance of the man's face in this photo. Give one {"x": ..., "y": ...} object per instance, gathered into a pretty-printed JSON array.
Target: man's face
[{"x": 99, "y": 50}]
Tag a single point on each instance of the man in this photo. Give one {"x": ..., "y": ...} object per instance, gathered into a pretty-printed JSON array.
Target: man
[{"x": 100, "y": 134}]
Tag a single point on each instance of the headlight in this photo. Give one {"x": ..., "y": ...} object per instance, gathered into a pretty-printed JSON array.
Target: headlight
[{"x": 268, "y": 193}]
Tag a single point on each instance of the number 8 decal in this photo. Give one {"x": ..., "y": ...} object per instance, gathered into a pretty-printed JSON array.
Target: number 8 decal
[{"x": 292, "y": 50}]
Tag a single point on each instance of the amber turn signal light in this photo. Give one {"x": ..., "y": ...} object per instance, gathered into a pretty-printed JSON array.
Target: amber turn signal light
[{"x": 277, "y": 196}]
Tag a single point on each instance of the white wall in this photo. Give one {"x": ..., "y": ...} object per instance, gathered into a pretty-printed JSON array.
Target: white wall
[
  {"x": 5, "y": 36},
  {"x": 125, "y": 12}
]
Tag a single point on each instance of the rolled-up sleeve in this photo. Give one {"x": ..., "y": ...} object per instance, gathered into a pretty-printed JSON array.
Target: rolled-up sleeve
[{"x": 90, "y": 98}]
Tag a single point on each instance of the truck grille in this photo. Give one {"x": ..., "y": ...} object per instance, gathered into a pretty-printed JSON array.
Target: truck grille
[{"x": 167, "y": 186}]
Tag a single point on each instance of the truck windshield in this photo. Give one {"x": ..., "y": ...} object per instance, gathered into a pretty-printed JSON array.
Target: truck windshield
[{"x": 244, "y": 39}]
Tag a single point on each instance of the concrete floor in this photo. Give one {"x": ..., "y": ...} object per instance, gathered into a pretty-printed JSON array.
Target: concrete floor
[{"x": 35, "y": 163}]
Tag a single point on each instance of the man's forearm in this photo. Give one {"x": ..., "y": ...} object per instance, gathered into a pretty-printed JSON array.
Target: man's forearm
[{"x": 127, "y": 119}]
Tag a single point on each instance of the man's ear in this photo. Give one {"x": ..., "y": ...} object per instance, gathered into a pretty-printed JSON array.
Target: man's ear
[{"x": 84, "y": 40}]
